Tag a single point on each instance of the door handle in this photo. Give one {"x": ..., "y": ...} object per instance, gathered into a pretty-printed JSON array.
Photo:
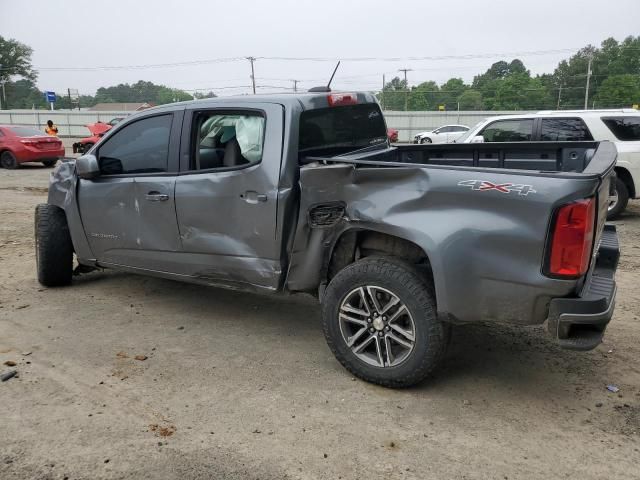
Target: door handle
[
  {"x": 157, "y": 197},
  {"x": 253, "y": 197}
]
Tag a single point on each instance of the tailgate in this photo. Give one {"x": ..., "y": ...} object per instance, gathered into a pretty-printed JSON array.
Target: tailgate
[{"x": 603, "y": 163}]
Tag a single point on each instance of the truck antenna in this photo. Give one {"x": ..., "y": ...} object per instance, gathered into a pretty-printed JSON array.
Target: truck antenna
[{"x": 328, "y": 87}]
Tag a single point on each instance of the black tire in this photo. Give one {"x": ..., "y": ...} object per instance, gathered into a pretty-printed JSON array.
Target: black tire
[
  {"x": 49, "y": 163},
  {"x": 8, "y": 160},
  {"x": 620, "y": 204},
  {"x": 426, "y": 140},
  {"x": 404, "y": 281},
  {"x": 54, "y": 250},
  {"x": 86, "y": 147}
]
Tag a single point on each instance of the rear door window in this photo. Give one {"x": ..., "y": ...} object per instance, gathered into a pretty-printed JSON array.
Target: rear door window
[
  {"x": 564, "y": 130},
  {"x": 624, "y": 128},
  {"x": 337, "y": 130},
  {"x": 512, "y": 130},
  {"x": 226, "y": 140}
]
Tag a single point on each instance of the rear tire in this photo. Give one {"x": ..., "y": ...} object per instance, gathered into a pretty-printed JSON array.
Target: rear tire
[
  {"x": 425, "y": 337},
  {"x": 54, "y": 250},
  {"x": 622, "y": 199},
  {"x": 8, "y": 161},
  {"x": 49, "y": 163}
]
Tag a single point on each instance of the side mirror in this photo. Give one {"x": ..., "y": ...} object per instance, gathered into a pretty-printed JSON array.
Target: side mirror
[
  {"x": 477, "y": 139},
  {"x": 87, "y": 167}
]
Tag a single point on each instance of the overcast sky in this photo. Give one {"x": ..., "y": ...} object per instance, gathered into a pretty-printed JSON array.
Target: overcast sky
[{"x": 111, "y": 33}]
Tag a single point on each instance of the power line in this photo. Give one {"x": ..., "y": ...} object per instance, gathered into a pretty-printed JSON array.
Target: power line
[{"x": 314, "y": 59}]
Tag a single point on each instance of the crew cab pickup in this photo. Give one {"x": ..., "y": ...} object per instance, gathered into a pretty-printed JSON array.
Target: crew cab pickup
[{"x": 304, "y": 193}]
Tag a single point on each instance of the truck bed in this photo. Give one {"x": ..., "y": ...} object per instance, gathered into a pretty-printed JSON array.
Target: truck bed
[{"x": 543, "y": 157}]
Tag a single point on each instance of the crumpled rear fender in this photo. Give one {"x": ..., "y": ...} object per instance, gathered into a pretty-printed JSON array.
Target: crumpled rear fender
[{"x": 63, "y": 187}]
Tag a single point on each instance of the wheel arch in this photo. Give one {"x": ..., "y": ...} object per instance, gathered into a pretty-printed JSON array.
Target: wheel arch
[
  {"x": 63, "y": 188},
  {"x": 624, "y": 175},
  {"x": 356, "y": 243}
]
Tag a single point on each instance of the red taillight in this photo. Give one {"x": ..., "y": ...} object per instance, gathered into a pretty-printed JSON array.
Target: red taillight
[
  {"x": 29, "y": 142},
  {"x": 341, "y": 99},
  {"x": 572, "y": 239}
]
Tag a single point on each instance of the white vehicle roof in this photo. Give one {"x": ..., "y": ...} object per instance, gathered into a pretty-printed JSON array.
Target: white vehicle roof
[{"x": 614, "y": 111}]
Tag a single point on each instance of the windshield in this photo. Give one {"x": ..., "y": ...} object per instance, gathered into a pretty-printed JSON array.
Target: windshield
[
  {"x": 25, "y": 131},
  {"x": 338, "y": 130},
  {"x": 462, "y": 138}
]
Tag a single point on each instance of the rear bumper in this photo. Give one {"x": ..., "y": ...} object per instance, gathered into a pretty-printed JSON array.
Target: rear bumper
[
  {"x": 25, "y": 156},
  {"x": 579, "y": 323}
]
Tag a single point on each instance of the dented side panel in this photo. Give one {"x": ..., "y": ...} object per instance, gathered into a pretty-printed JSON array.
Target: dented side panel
[
  {"x": 63, "y": 187},
  {"x": 485, "y": 247}
]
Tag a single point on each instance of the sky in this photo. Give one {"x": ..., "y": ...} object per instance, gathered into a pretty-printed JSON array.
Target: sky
[{"x": 73, "y": 40}]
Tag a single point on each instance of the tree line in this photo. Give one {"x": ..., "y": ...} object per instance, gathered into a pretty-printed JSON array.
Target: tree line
[{"x": 614, "y": 82}]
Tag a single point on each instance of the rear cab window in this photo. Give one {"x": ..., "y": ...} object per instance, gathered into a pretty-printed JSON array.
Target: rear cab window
[
  {"x": 339, "y": 130},
  {"x": 626, "y": 129}
]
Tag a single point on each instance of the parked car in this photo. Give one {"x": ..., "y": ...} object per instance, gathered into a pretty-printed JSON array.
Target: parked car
[
  {"x": 392, "y": 134},
  {"x": 444, "y": 134},
  {"x": 620, "y": 126},
  {"x": 304, "y": 193},
  {"x": 97, "y": 130},
  {"x": 26, "y": 144}
]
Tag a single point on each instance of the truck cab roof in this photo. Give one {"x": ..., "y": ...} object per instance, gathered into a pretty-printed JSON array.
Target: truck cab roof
[{"x": 301, "y": 101}]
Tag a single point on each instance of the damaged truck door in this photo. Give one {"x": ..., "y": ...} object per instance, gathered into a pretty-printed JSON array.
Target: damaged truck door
[
  {"x": 226, "y": 196},
  {"x": 128, "y": 210}
]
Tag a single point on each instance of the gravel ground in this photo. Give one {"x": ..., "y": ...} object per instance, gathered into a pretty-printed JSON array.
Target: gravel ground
[{"x": 235, "y": 385}]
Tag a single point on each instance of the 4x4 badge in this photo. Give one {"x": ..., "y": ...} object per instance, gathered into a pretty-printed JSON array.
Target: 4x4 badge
[{"x": 485, "y": 186}]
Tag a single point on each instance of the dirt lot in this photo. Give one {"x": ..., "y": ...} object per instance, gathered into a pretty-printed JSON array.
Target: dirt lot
[{"x": 243, "y": 386}]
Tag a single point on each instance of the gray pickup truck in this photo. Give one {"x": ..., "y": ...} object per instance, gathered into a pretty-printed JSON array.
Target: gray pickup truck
[{"x": 303, "y": 193}]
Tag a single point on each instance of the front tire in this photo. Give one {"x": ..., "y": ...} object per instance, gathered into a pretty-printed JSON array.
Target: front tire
[
  {"x": 8, "y": 161},
  {"x": 54, "y": 250},
  {"x": 426, "y": 140},
  {"x": 621, "y": 199},
  {"x": 86, "y": 147},
  {"x": 380, "y": 322}
]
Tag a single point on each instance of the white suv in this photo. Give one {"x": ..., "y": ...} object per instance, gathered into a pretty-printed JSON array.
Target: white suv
[
  {"x": 444, "y": 134},
  {"x": 619, "y": 126}
]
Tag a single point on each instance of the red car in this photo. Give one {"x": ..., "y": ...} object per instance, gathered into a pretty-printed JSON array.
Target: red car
[
  {"x": 392, "y": 133},
  {"x": 97, "y": 130},
  {"x": 25, "y": 144}
]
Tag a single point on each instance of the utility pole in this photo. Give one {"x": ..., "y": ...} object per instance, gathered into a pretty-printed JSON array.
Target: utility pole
[
  {"x": 3, "y": 99},
  {"x": 406, "y": 84},
  {"x": 382, "y": 93},
  {"x": 586, "y": 93},
  {"x": 253, "y": 75},
  {"x": 559, "y": 97},
  {"x": 295, "y": 85}
]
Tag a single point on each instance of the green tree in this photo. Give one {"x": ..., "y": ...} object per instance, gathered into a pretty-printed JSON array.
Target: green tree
[
  {"x": 24, "y": 94},
  {"x": 141, "y": 91},
  {"x": 394, "y": 94},
  {"x": 15, "y": 60},
  {"x": 618, "y": 91},
  {"x": 424, "y": 96},
  {"x": 450, "y": 91},
  {"x": 471, "y": 100},
  {"x": 200, "y": 95}
]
